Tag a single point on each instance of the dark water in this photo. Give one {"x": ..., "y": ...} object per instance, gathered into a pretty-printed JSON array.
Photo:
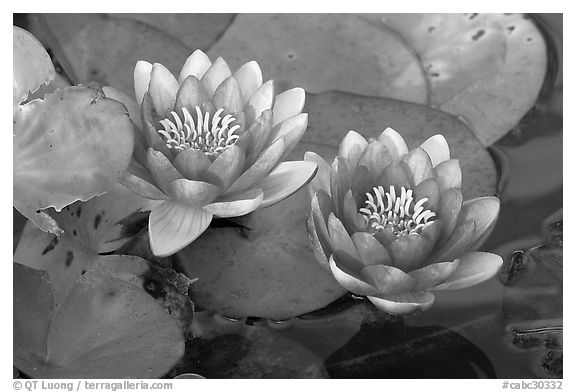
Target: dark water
[{"x": 466, "y": 334}]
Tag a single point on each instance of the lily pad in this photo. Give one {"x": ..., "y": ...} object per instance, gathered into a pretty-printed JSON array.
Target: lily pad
[
  {"x": 105, "y": 327},
  {"x": 486, "y": 68},
  {"x": 81, "y": 41},
  {"x": 324, "y": 52},
  {"x": 197, "y": 31},
  {"x": 104, "y": 223},
  {"x": 71, "y": 146},
  {"x": 266, "y": 268}
]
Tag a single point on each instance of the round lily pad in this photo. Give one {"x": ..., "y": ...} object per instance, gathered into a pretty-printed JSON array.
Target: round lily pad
[{"x": 324, "y": 52}]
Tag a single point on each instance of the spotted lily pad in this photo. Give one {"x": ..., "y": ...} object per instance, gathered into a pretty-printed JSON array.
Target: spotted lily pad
[
  {"x": 266, "y": 267},
  {"x": 324, "y": 52},
  {"x": 486, "y": 68},
  {"x": 104, "y": 327}
]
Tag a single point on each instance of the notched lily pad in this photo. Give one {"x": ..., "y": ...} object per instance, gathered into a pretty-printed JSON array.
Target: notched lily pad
[
  {"x": 324, "y": 52},
  {"x": 105, "y": 327},
  {"x": 71, "y": 146}
]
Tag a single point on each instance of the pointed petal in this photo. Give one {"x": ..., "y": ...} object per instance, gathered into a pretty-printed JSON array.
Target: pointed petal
[
  {"x": 237, "y": 205},
  {"x": 288, "y": 104},
  {"x": 458, "y": 243},
  {"x": 151, "y": 136},
  {"x": 418, "y": 166},
  {"x": 385, "y": 237},
  {"x": 254, "y": 139},
  {"x": 228, "y": 96},
  {"x": 408, "y": 251},
  {"x": 291, "y": 130},
  {"x": 129, "y": 102},
  {"x": 484, "y": 212},
  {"x": 263, "y": 165},
  {"x": 343, "y": 248},
  {"x": 249, "y": 78},
  {"x": 215, "y": 75},
  {"x": 394, "y": 143},
  {"x": 193, "y": 193},
  {"x": 351, "y": 283},
  {"x": 428, "y": 189},
  {"x": 226, "y": 168},
  {"x": 353, "y": 221},
  {"x": 405, "y": 303},
  {"x": 191, "y": 163},
  {"x": 321, "y": 207},
  {"x": 190, "y": 95},
  {"x": 395, "y": 175},
  {"x": 370, "y": 249},
  {"x": 352, "y": 147},
  {"x": 173, "y": 226},
  {"x": 448, "y": 175},
  {"x": 142, "y": 72},
  {"x": 473, "y": 268},
  {"x": 448, "y": 211},
  {"x": 339, "y": 182},
  {"x": 285, "y": 179},
  {"x": 322, "y": 178},
  {"x": 433, "y": 274},
  {"x": 161, "y": 169},
  {"x": 196, "y": 65},
  {"x": 140, "y": 182},
  {"x": 261, "y": 100},
  {"x": 319, "y": 246},
  {"x": 163, "y": 89},
  {"x": 361, "y": 184},
  {"x": 388, "y": 280},
  {"x": 375, "y": 157},
  {"x": 437, "y": 149}
]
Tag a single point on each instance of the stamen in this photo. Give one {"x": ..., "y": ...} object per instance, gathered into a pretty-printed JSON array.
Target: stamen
[
  {"x": 209, "y": 137},
  {"x": 394, "y": 212}
]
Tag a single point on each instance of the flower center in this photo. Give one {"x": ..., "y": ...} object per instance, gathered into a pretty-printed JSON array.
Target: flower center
[
  {"x": 209, "y": 137},
  {"x": 395, "y": 213}
]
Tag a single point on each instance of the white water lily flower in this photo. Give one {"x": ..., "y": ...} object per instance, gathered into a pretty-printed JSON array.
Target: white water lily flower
[
  {"x": 391, "y": 225},
  {"x": 212, "y": 144}
]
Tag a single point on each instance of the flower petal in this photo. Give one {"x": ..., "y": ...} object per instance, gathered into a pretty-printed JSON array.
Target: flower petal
[
  {"x": 139, "y": 181},
  {"x": 191, "y": 163},
  {"x": 361, "y": 184},
  {"x": 406, "y": 303},
  {"x": 142, "y": 72},
  {"x": 351, "y": 283},
  {"x": 263, "y": 165},
  {"x": 370, "y": 249},
  {"x": 255, "y": 138},
  {"x": 285, "y": 179},
  {"x": 339, "y": 182},
  {"x": 321, "y": 207},
  {"x": 288, "y": 104},
  {"x": 433, "y": 274},
  {"x": 237, "y": 205},
  {"x": 151, "y": 136},
  {"x": 353, "y": 221},
  {"x": 408, "y": 251},
  {"x": 388, "y": 279},
  {"x": 448, "y": 211},
  {"x": 260, "y": 101},
  {"x": 228, "y": 96},
  {"x": 193, "y": 193},
  {"x": 163, "y": 89},
  {"x": 226, "y": 168},
  {"x": 437, "y": 148},
  {"x": 484, "y": 212},
  {"x": 190, "y": 95},
  {"x": 196, "y": 65},
  {"x": 32, "y": 65},
  {"x": 173, "y": 226},
  {"x": 394, "y": 175},
  {"x": 249, "y": 78},
  {"x": 291, "y": 130},
  {"x": 161, "y": 169},
  {"x": 418, "y": 166},
  {"x": 129, "y": 102},
  {"x": 216, "y": 74},
  {"x": 473, "y": 268},
  {"x": 394, "y": 143},
  {"x": 375, "y": 157},
  {"x": 343, "y": 248},
  {"x": 458, "y": 243},
  {"x": 352, "y": 147},
  {"x": 322, "y": 178},
  {"x": 428, "y": 189},
  {"x": 448, "y": 175}
]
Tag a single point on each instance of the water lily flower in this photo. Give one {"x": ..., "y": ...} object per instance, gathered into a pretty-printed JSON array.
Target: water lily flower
[
  {"x": 212, "y": 144},
  {"x": 390, "y": 223}
]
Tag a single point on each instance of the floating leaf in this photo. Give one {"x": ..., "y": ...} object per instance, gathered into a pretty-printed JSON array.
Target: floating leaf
[
  {"x": 71, "y": 146},
  {"x": 324, "y": 52}
]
